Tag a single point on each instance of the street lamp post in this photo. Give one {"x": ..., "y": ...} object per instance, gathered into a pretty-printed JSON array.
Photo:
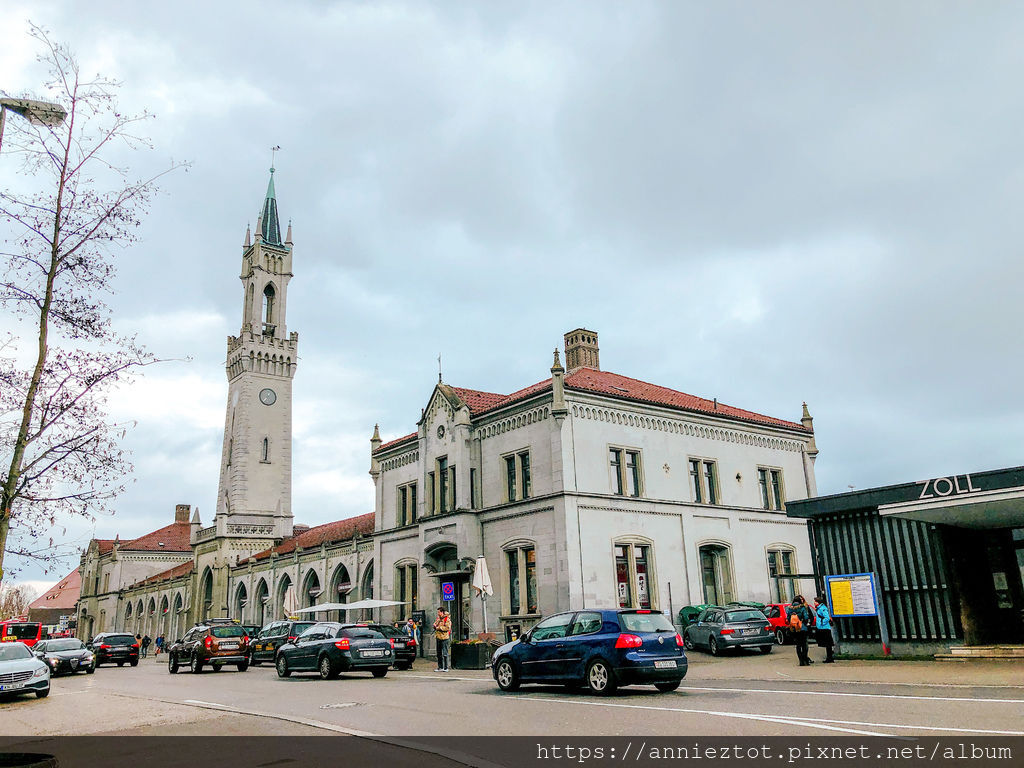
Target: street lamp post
[{"x": 38, "y": 112}]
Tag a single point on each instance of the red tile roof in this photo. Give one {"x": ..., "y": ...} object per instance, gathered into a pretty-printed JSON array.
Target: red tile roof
[
  {"x": 613, "y": 385},
  {"x": 175, "y": 538},
  {"x": 169, "y": 575},
  {"x": 104, "y": 545},
  {"x": 63, "y": 594},
  {"x": 327, "y": 533}
]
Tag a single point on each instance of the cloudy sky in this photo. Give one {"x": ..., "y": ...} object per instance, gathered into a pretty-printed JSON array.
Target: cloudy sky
[{"x": 764, "y": 204}]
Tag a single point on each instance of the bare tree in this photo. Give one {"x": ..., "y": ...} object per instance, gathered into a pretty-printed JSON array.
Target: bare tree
[
  {"x": 15, "y": 599},
  {"x": 61, "y": 452}
]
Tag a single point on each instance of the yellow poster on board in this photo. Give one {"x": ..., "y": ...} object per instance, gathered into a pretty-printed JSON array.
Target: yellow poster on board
[{"x": 841, "y": 593}]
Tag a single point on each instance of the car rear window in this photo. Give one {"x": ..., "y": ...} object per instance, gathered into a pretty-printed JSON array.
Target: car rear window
[
  {"x": 229, "y": 631},
  {"x": 301, "y": 626},
  {"x": 645, "y": 622},
  {"x": 750, "y": 615},
  {"x": 119, "y": 640},
  {"x": 388, "y": 631},
  {"x": 360, "y": 633},
  {"x": 14, "y": 651}
]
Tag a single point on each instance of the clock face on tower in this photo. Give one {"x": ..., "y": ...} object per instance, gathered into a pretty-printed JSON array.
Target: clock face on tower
[
  {"x": 440, "y": 431},
  {"x": 268, "y": 396}
]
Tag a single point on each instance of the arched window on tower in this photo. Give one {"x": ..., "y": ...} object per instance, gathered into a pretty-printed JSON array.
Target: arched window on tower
[
  {"x": 268, "y": 309},
  {"x": 265, "y": 450}
]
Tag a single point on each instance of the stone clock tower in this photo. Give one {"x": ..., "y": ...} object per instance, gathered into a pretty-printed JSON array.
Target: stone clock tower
[{"x": 255, "y": 491}]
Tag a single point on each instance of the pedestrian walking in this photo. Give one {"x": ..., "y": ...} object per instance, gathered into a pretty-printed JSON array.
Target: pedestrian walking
[
  {"x": 146, "y": 642},
  {"x": 800, "y": 622},
  {"x": 159, "y": 643},
  {"x": 823, "y": 635},
  {"x": 443, "y": 634}
]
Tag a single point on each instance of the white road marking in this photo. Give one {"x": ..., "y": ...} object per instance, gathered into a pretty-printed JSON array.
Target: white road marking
[
  {"x": 921, "y": 727},
  {"x": 206, "y": 703},
  {"x": 442, "y": 678},
  {"x": 856, "y": 695},
  {"x": 737, "y": 715}
]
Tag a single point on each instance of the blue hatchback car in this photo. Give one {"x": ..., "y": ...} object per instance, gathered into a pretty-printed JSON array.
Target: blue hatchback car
[{"x": 601, "y": 649}]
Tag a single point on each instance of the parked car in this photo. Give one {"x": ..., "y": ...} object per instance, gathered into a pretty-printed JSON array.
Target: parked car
[
  {"x": 114, "y": 648},
  {"x": 602, "y": 649},
  {"x": 66, "y": 655},
  {"x": 21, "y": 672},
  {"x": 718, "y": 629},
  {"x": 778, "y": 618},
  {"x": 252, "y": 630},
  {"x": 216, "y": 644},
  {"x": 273, "y": 636},
  {"x": 331, "y": 648},
  {"x": 404, "y": 646}
]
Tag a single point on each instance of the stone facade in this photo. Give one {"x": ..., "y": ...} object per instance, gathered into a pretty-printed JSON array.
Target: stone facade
[{"x": 609, "y": 514}]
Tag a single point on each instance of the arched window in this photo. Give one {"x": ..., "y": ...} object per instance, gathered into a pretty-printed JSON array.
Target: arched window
[
  {"x": 268, "y": 304},
  {"x": 781, "y": 562},
  {"x": 265, "y": 451},
  {"x": 520, "y": 562},
  {"x": 716, "y": 574}
]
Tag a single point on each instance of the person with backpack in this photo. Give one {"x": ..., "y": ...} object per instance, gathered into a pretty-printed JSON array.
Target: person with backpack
[{"x": 801, "y": 620}]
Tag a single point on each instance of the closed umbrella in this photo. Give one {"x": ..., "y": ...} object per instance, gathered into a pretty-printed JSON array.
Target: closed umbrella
[{"x": 482, "y": 585}]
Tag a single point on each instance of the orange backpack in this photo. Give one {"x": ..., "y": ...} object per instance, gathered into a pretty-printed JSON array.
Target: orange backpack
[{"x": 795, "y": 622}]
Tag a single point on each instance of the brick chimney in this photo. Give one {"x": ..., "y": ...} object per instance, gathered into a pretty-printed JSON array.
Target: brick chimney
[
  {"x": 181, "y": 513},
  {"x": 581, "y": 350}
]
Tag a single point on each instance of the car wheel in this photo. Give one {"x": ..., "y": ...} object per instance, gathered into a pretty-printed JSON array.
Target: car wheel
[
  {"x": 172, "y": 664},
  {"x": 601, "y": 678},
  {"x": 120, "y": 663},
  {"x": 243, "y": 665},
  {"x": 216, "y": 667},
  {"x": 380, "y": 671},
  {"x": 667, "y": 687},
  {"x": 327, "y": 669},
  {"x": 402, "y": 666},
  {"x": 506, "y": 676},
  {"x": 688, "y": 641},
  {"x": 766, "y": 648},
  {"x": 42, "y": 694},
  {"x": 713, "y": 646},
  {"x": 195, "y": 665},
  {"x": 282, "y": 666},
  {"x": 90, "y": 669},
  {"x": 780, "y": 637},
  {"x": 134, "y": 663}
]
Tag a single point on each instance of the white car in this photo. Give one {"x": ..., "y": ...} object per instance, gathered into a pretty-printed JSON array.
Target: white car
[{"x": 22, "y": 672}]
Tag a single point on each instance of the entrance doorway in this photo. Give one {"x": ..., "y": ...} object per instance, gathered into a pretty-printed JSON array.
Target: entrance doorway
[{"x": 988, "y": 569}]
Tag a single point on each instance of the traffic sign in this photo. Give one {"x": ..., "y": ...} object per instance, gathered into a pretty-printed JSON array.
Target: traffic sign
[{"x": 447, "y": 591}]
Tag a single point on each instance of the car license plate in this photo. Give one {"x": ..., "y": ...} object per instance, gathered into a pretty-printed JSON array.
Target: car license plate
[
  {"x": 399, "y": 645},
  {"x": 11, "y": 686},
  {"x": 74, "y": 663},
  {"x": 228, "y": 646},
  {"x": 373, "y": 653},
  {"x": 664, "y": 665},
  {"x": 751, "y": 631}
]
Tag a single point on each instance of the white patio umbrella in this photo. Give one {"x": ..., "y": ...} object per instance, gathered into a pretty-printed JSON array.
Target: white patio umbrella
[
  {"x": 291, "y": 601},
  {"x": 482, "y": 585}
]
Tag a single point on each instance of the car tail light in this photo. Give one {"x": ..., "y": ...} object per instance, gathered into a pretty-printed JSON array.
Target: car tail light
[
  {"x": 628, "y": 641},
  {"x": 643, "y": 611},
  {"x": 392, "y": 641},
  {"x": 135, "y": 645},
  {"x": 727, "y": 631},
  {"x": 208, "y": 642},
  {"x": 679, "y": 640},
  {"x": 104, "y": 647},
  {"x": 291, "y": 638},
  {"x": 767, "y": 627},
  {"x": 343, "y": 644},
  {"x": 411, "y": 642}
]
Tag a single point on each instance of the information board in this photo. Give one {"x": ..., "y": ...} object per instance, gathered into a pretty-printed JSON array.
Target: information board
[
  {"x": 447, "y": 591},
  {"x": 852, "y": 594}
]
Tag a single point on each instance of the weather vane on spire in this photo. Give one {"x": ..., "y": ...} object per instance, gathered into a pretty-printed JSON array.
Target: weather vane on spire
[
  {"x": 273, "y": 151},
  {"x": 439, "y": 369}
]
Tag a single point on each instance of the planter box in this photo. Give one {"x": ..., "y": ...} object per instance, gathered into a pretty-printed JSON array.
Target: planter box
[{"x": 474, "y": 656}]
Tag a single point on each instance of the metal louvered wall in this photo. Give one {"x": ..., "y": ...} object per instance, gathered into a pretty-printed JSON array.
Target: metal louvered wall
[{"x": 909, "y": 561}]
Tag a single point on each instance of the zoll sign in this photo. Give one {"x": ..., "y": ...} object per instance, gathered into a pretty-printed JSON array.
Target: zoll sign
[{"x": 939, "y": 487}]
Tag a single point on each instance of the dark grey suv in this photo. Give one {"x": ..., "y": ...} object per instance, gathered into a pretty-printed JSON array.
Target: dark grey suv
[{"x": 718, "y": 629}]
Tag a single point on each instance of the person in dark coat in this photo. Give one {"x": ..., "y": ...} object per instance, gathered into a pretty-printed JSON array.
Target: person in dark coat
[{"x": 801, "y": 621}]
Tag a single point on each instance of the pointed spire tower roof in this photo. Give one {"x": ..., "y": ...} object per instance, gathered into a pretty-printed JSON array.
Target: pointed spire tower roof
[{"x": 269, "y": 225}]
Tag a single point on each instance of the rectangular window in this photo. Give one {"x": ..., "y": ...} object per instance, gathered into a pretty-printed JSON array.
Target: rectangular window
[
  {"x": 407, "y": 586},
  {"x": 106, "y": 582},
  {"x": 452, "y": 488},
  {"x": 510, "y": 478},
  {"x": 772, "y": 490},
  {"x": 406, "y": 501},
  {"x": 626, "y": 474},
  {"x": 781, "y": 562},
  {"x": 524, "y": 471},
  {"x": 633, "y": 576},
  {"x": 704, "y": 481},
  {"x": 522, "y": 580},
  {"x": 442, "y": 491},
  {"x": 472, "y": 488},
  {"x": 431, "y": 496}
]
